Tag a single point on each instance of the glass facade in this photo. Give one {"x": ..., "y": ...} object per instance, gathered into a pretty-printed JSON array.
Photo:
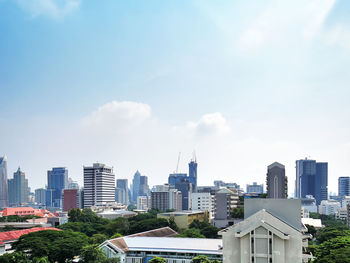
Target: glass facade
[{"x": 57, "y": 180}]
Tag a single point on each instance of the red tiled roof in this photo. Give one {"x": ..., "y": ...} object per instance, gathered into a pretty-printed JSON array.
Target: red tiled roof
[
  {"x": 23, "y": 211},
  {"x": 14, "y": 235}
]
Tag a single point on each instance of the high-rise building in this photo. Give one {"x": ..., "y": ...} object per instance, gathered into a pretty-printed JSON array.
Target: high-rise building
[
  {"x": 143, "y": 203},
  {"x": 18, "y": 189},
  {"x": 276, "y": 181},
  {"x": 99, "y": 185},
  {"x": 192, "y": 173},
  {"x": 40, "y": 196},
  {"x": 185, "y": 187},
  {"x": 311, "y": 179},
  {"x": 203, "y": 202},
  {"x": 255, "y": 188},
  {"x": 70, "y": 199},
  {"x": 121, "y": 192},
  {"x": 3, "y": 182},
  {"x": 344, "y": 186},
  {"x": 57, "y": 180},
  {"x": 139, "y": 186},
  {"x": 225, "y": 201},
  {"x": 166, "y": 200},
  {"x": 72, "y": 184}
]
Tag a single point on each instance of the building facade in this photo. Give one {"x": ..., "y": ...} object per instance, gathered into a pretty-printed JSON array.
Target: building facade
[
  {"x": 344, "y": 186},
  {"x": 203, "y": 202},
  {"x": 225, "y": 201},
  {"x": 40, "y": 196},
  {"x": 57, "y": 180},
  {"x": 328, "y": 207},
  {"x": 192, "y": 173},
  {"x": 70, "y": 199},
  {"x": 311, "y": 179},
  {"x": 3, "y": 182},
  {"x": 143, "y": 203},
  {"x": 276, "y": 181},
  {"x": 99, "y": 185},
  {"x": 255, "y": 188},
  {"x": 18, "y": 189},
  {"x": 167, "y": 200},
  {"x": 122, "y": 192},
  {"x": 139, "y": 186}
]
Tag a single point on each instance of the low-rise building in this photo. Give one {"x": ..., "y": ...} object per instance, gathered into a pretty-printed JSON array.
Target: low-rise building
[
  {"x": 271, "y": 232},
  {"x": 255, "y": 188},
  {"x": 143, "y": 203},
  {"x": 144, "y": 246},
  {"x": 113, "y": 214},
  {"x": 184, "y": 218},
  {"x": 342, "y": 214},
  {"x": 203, "y": 202},
  {"x": 328, "y": 207},
  {"x": 226, "y": 199}
]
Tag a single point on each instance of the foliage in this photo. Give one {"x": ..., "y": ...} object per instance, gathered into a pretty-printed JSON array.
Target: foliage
[
  {"x": 157, "y": 260},
  {"x": 147, "y": 224},
  {"x": 56, "y": 245},
  {"x": 191, "y": 232},
  {"x": 328, "y": 220},
  {"x": 16, "y": 218},
  {"x": 334, "y": 250},
  {"x": 205, "y": 228},
  {"x": 331, "y": 232},
  {"x": 172, "y": 224},
  {"x": 92, "y": 254},
  {"x": 19, "y": 257},
  {"x": 120, "y": 225},
  {"x": 311, "y": 230},
  {"x": 237, "y": 212},
  {"x": 200, "y": 259},
  {"x": 98, "y": 238},
  {"x": 116, "y": 235}
]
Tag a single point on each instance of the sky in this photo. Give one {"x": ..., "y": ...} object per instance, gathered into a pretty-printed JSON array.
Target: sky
[{"x": 133, "y": 83}]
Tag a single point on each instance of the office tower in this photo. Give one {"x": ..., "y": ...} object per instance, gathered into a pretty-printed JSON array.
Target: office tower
[
  {"x": 70, "y": 199},
  {"x": 18, "y": 189},
  {"x": 72, "y": 184},
  {"x": 276, "y": 181},
  {"x": 167, "y": 200},
  {"x": 57, "y": 180},
  {"x": 311, "y": 179},
  {"x": 255, "y": 188},
  {"x": 122, "y": 192},
  {"x": 203, "y": 202},
  {"x": 344, "y": 186},
  {"x": 176, "y": 177},
  {"x": 99, "y": 185},
  {"x": 192, "y": 173},
  {"x": 139, "y": 186},
  {"x": 40, "y": 196},
  {"x": 3, "y": 182},
  {"x": 225, "y": 200},
  {"x": 185, "y": 187}
]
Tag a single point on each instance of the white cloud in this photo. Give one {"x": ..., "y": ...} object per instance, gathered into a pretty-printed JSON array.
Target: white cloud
[
  {"x": 50, "y": 8},
  {"x": 118, "y": 116},
  {"x": 209, "y": 124}
]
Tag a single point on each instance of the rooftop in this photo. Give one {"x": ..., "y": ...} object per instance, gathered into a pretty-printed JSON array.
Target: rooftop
[
  {"x": 180, "y": 213},
  {"x": 14, "y": 235}
]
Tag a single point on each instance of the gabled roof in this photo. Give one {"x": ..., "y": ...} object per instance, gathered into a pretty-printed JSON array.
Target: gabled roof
[
  {"x": 159, "y": 232},
  {"x": 14, "y": 235},
  {"x": 264, "y": 219}
]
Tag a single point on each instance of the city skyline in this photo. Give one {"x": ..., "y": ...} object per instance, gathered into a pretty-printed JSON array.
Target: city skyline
[{"x": 133, "y": 87}]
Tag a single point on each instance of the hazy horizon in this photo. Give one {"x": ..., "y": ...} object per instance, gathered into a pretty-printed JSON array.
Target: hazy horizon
[{"x": 132, "y": 84}]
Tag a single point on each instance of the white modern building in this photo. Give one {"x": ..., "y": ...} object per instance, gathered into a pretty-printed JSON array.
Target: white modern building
[
  {"x": 271, "y": 232},
  {"x": 203, "y": 202},
  {"x": 345, "y": 201},
  {"x": 144, "y": 246},
  {"x": 328, "y": 207},
  {"x": 99, "y": 185},
  {"x": 143, "y": 203},
  {"x": 342, "y": 214},
  {"x": 309, "y": 204}
]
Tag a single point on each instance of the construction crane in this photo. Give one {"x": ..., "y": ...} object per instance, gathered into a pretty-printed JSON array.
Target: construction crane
[{"x": 178, "y": 161}]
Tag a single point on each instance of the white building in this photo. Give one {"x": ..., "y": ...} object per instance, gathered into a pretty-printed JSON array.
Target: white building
[
  {"x": 143, "y": 202},
  {"x": 328, "y": 207},
  {"x": 342, "y": 214},
  {"x": 144, "y": 246},
  {"x": 203, "y": 202},
  {"x": 274, "y": 234},
  {"x": 345, "y": 201},
  {"x": 99, "y": 185}
]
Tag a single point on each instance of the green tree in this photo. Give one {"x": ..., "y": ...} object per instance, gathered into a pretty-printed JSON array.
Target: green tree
[
  {"x": 205, "y": 228},
  {"x": 58, "y": 246},
  {"x": 116, "y": 235},
  {"x": 98, "y": 238},
  {"x": 334, "y": 250},
  {"x": 191, "y": 232},
  {"x": 238, "y": 212},
  {"x": 331, "y": 232},
  {"x": 120, "y": 225},
  {"x": 147, "y": 224},
  {"x": 200, "y": 259},
  {"x": 172, "y": 224},
  {"x": 74, "y": 215},
  {"x": 92, "y": 254},
  {"x": 311, "y": 230},
  {"x": 157, "y": 260},
  {"x": 16, "y": 257}
]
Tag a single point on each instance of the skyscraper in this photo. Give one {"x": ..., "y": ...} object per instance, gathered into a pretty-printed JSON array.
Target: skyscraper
[
  {"x": 40, "y": 196},
  {"x": 18, "y": 189},
  {"x": 57, "y": 180},
  {"x": 121, "y": 192},
  {"x": 276, "y": 181},
  {"x": 344, "y": 186},
  {"x": 311, "y": 179},
  {"x": 3, "y": 182},
  {"x": 139, "y": 186},
  {"x": 99, "y": 185},
  {"x": 192, "y": 173}
]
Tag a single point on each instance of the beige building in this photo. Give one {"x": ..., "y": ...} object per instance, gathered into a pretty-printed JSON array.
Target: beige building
[
  {"x": 184, "y": 218},
  {"x": 267, "y": 235}
]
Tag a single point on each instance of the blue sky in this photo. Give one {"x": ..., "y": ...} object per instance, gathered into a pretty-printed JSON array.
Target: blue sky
[{"x": 133, "y": 83}]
